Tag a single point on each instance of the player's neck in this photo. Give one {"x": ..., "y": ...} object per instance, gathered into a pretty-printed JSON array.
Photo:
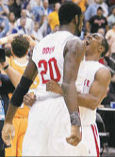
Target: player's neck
[
  {"x": 92, "y": 57},
  {"x": 22, "y": 60},
  {"x": 67, "y": 28}
]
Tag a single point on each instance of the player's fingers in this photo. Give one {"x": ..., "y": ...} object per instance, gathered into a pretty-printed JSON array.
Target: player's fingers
[
  {"x": 72, "y": 141},
  {"x": 25, "y": 99},
  {"x": 29, "y": 99},
  {"x": 33, "y": 97},
  {"x": 12, "y": 133},
  {"x": 6, "y": 138}
]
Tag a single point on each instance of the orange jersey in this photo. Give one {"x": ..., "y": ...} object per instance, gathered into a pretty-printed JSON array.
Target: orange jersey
[{"x": 23, "y": 110}]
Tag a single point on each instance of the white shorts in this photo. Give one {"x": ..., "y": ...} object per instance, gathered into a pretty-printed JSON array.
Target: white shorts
[
  {"x": 91, "y": 141},
  {"x": 48, "y": 127}
]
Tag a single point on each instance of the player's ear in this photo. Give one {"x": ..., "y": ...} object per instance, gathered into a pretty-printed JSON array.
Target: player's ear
[
  {"x": 100, "y": 49},
  {"x": 12, "y": 51},
  {"x": 76, "y": 19}
]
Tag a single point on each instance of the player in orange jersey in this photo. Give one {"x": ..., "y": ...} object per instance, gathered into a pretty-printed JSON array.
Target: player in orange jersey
[{"x": 17, "y": 64}]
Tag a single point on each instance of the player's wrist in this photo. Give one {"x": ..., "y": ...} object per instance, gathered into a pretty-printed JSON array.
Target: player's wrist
[
  {"x": 4, "y": 40},
  {"x": 8, "y": 120},
  {"x": 75, "y": 118},
  {"x": 5, "y": 65}
]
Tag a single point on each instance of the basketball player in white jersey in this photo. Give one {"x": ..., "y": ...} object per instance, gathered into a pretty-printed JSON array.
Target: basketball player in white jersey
[
  {"x": 52, "y": 118},
  {"x": 92, "y": 82}
]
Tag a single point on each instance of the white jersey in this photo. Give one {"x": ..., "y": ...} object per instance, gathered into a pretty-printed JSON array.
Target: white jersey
[
  {"x": 49, "y": 109},
  {"x": 48, "y": 57},
  {"x": 85, "y": 79}
]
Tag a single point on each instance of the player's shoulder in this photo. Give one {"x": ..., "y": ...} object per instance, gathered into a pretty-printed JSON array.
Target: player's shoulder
[
  {"x": 103, "y": 74},
  {"x": 75, "y": 44}
]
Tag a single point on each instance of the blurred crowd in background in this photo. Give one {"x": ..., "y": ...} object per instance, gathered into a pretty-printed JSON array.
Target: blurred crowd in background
[{"x": 40, "y": 17}]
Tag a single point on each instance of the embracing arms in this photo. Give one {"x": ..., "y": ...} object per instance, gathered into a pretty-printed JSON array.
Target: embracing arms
[{"x": 96, "y": 93}]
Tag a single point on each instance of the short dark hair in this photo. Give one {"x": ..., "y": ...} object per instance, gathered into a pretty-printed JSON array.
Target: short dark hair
[
  {"x": 106, "y": 47},
  {"x": 20, "y": 46},
  {"x": 99, "y": 8},
  {"x": 67, "y": 12}
]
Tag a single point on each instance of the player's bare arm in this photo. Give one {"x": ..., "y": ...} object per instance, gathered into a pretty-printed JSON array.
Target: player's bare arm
[
  {"x": 14, "y": 75},
  {"x": 89, "y": 100},
  {"x": 16, "y": 100},
  {"x": 74, "y": 52},
  {"x": 53, "y": 86},
  {"x": 97, "y": 91},
  {"x": 100, "y": 85},
  {"x": 8, "y": 39}
]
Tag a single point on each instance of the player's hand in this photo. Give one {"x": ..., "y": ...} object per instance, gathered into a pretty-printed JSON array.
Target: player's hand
[
  {"x": 8, "y": 133},
  {"x": 11, "y": 37},
  {"x": 30, "y": 39},
  {"x": 75, "y": 136},
  {"x": 29, "y": 99},
  {"x": 53, "y": 87}
]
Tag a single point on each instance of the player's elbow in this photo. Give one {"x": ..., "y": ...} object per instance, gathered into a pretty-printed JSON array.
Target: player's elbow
[{"x": 94, "y": 105}]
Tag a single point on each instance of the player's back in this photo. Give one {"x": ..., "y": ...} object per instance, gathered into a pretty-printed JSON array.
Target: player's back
[{"x": 48, "y": 56}]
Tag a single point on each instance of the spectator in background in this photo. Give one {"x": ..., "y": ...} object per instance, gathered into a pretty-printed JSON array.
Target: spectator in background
[
  {"x": 111, "y": 18},
  {"x": 96, "y": 22},
  {"x": 3, "y": 8},
  {"x": 35, "y": 3},
  {"x": 38, "y": 11},
  {"x": 101, "y": 31},
  {"x": 15, "y": 7},
  {"x": 90, "y": 2},
  {"x": 110, "y": 2},
  {"x": 36, "y": 32},
  {"x": 24, "y": 3},
  {"x": 43, "y": 30},
  {"x": 12, "y": 19},
  {"x": 92, "y": 9},
  {"x": 53, "y": 17},
  {"x": 4, "y": 26},
  {"x": 29, "y": 22},
  {"x": 29, "y": 12},
  {"x": 21, "y": 28},
  {"x": 46, "y": 8},
  {"x": 110, "y": 36},
  {"x": 82, "y": 4}
]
